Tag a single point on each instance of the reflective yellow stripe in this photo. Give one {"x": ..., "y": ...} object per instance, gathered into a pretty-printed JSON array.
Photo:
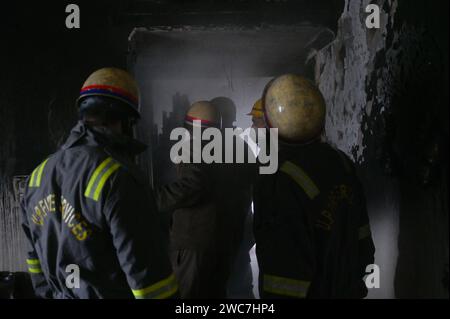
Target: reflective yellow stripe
[
  {"x": 94, "y": 176},
  {"x": 286, "y": 286},
  {"x": 33, "y": 262},
  {"x": 35, "y": 270},
  {"x": 364, "y": 232},
  {"x": 39, "y": 176},
  {"x": 36, "y": 176},
  {"x": 168, "y": 293},
  {"x": 301, "y": 178},
  {"x": 33, "y": 175},
  {"x": 102, "y": 182},
  {"x": 162, "y": 289}
]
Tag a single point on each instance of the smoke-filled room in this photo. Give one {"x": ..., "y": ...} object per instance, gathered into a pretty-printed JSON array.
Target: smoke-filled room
[{"x": 235, "y": 158}]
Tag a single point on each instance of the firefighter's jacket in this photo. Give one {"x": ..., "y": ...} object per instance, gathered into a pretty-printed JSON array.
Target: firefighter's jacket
[
  {"x": 91, "y": 223},
  {"x": 313, "y": 237},
  {"x": 210, "y": 203}
]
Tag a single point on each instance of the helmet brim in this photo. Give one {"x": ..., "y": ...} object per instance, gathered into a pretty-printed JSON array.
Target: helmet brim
[{"x": 133, "y": 112}]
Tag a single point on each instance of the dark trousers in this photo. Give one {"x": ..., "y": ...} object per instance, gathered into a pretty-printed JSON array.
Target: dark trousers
[{"x": 201, "y": 274}]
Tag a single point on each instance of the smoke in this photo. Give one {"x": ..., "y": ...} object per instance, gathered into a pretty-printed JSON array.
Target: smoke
[
  {"x": 202, "y": 64},
  {"x": 206, "y": 63}
]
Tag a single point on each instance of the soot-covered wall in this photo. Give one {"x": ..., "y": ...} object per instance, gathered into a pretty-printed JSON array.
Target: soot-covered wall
[{"x": 387, "y": 97}]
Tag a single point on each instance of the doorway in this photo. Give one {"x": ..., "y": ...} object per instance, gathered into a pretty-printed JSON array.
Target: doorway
[{"x": 176, "y": 67}]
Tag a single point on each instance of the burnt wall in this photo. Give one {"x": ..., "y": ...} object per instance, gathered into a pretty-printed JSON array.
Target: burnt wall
[{"x": 387, "y": 95}]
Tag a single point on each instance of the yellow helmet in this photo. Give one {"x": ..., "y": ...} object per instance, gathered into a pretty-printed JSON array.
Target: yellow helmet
[
  {"x": 296, "y": 107},
  {"x": 257, "y": 110},
  {"x": 114, "y": 83},
  {"x": 205, "y": 112}
]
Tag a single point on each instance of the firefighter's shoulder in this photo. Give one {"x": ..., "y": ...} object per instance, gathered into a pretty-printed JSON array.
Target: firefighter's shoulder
[
  {"x": 35, "y": 178},
  {"x": 106, "y": 169}
]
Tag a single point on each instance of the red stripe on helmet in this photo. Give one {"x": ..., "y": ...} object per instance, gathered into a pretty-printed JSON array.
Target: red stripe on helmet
[
  {"x": 112, "y": 89},
  {"x": 192, "y": 119}
]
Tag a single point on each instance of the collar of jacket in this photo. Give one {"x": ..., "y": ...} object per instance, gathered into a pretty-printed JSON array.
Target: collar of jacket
[
  {"x": 290, "y": 151},
  {"x": 115, "y": 143}
]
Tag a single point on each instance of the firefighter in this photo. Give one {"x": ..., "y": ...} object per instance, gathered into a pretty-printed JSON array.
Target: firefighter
[
  {"x": 257, "y": 115},
  {"x": 258, "y": 126},
  {"x": 89, "y": 216},
  {"x": 312, "y": 231},
  {"x": 200, "y": 236}
]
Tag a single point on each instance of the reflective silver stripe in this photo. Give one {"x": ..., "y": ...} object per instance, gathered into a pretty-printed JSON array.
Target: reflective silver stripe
[
  {"x": 286, "y": 286},
  {"x": 301, "y": 178},
  {"x": 160, "y": 290},
  {"x": 364, "y": 232}
]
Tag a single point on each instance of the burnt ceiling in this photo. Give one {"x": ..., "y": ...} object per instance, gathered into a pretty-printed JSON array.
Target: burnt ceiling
[{"x": 147, "y": 13}]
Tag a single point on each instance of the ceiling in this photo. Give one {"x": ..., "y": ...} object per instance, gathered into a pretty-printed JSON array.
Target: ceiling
[
  {"x": 147, "y": 13},
  {"x": 241, "y": 52}
]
